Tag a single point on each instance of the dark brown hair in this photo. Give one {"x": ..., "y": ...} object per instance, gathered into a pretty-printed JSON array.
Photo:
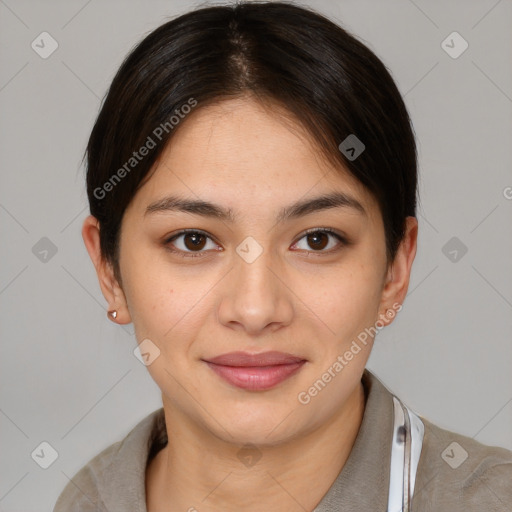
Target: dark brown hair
[{"x": 333, "y": 84}]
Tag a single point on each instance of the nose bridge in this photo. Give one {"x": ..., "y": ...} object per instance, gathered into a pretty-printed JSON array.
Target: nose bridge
[{"x": 251, "y": 266}]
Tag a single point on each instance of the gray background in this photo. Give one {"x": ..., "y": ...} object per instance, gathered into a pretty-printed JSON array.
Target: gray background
[{"x": 69, "y": 376}]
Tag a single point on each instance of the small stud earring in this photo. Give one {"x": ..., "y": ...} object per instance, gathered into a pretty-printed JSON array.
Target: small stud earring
[{"x": 113, "y": 314}]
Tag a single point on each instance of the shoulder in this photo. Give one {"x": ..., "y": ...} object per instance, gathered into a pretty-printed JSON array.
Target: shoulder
[
  {"x": 82, "y": 492},
  {"x": 458, "y": 472},
  {"x": 116, "y": 475}
]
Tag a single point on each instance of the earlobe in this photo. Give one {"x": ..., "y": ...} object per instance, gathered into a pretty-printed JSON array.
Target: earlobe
[{"x": 110, "y": 288}]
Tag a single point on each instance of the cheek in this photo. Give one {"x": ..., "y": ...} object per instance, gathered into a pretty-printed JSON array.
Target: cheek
[
  {"x": 167, "y": 305},
  {"x": 348, "y": 300}
]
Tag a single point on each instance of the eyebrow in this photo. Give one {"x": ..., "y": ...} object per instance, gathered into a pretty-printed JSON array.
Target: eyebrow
[{"x": 293, "y": 211}]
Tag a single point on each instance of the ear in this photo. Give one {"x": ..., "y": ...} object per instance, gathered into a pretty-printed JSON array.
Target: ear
[
  {"x": 110, "y": 288},
  {"x": 398, "y": 274}
]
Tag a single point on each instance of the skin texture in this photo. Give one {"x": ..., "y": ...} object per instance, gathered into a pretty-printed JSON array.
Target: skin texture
[{"x": 299, "y": 296}]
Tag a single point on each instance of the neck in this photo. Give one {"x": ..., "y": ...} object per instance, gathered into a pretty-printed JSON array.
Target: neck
[{"x": 202, "y": 472}]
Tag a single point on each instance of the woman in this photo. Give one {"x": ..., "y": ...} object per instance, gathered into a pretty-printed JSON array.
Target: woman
[{"x": 252, "y": 181}]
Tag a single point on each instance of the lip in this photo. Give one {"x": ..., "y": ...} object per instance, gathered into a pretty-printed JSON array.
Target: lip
[
  {"x": 262, "y": 359},
  {"x": 255, "y": 372}
]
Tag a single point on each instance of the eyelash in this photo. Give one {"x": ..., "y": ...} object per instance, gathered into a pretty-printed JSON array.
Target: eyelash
[{"x": 195, "y": 254}]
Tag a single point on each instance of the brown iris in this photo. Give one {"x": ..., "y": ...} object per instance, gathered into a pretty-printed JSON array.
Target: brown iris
[
  {"x": 197, "y": 241},
  {"x": 315, "y": 240}
]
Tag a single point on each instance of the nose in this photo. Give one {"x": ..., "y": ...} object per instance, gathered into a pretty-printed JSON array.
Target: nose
[{"x": 256, "y": 297}]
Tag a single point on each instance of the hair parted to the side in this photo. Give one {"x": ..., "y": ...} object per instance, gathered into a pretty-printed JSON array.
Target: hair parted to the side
[{"x": 276, "y": 52}]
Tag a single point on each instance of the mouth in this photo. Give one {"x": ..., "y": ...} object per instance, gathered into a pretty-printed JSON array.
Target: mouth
[{"x": 255, "y": 372}]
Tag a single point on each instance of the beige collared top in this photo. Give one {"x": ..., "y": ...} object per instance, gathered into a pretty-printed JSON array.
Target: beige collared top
[{"x": 455, "y": 473}]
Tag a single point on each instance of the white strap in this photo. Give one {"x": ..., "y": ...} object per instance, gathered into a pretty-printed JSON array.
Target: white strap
[
  {"x": 417, "y": 434},
  {"x": 406, "y": 444}
]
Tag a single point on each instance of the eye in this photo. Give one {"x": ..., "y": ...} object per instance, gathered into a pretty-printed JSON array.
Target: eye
[
  {"x": 318, "y": 240},
  {"x": 192, "y": 242}
]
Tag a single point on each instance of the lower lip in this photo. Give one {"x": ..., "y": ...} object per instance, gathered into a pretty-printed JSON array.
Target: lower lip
[{"x": 256, "y": 378}]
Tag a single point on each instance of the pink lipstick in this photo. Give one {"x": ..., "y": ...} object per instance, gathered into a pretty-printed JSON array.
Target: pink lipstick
[{"x": 255, "y": 372}]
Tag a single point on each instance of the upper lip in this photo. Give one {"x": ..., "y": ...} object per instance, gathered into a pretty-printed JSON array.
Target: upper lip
[{"x": 262, "y": 359}]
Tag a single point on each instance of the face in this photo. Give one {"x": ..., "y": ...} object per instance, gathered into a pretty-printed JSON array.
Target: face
[{"x": 264, "y": 277}]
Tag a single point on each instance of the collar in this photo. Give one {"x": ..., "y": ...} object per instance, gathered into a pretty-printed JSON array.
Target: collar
[{"x": 363, "y": 482}]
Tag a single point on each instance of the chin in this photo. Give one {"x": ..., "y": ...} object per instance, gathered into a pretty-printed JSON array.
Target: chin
[{"x": 251, "y": 424}]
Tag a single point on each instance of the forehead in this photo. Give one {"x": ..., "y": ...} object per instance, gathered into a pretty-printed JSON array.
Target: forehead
[{"x": 241, "y": 148}]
